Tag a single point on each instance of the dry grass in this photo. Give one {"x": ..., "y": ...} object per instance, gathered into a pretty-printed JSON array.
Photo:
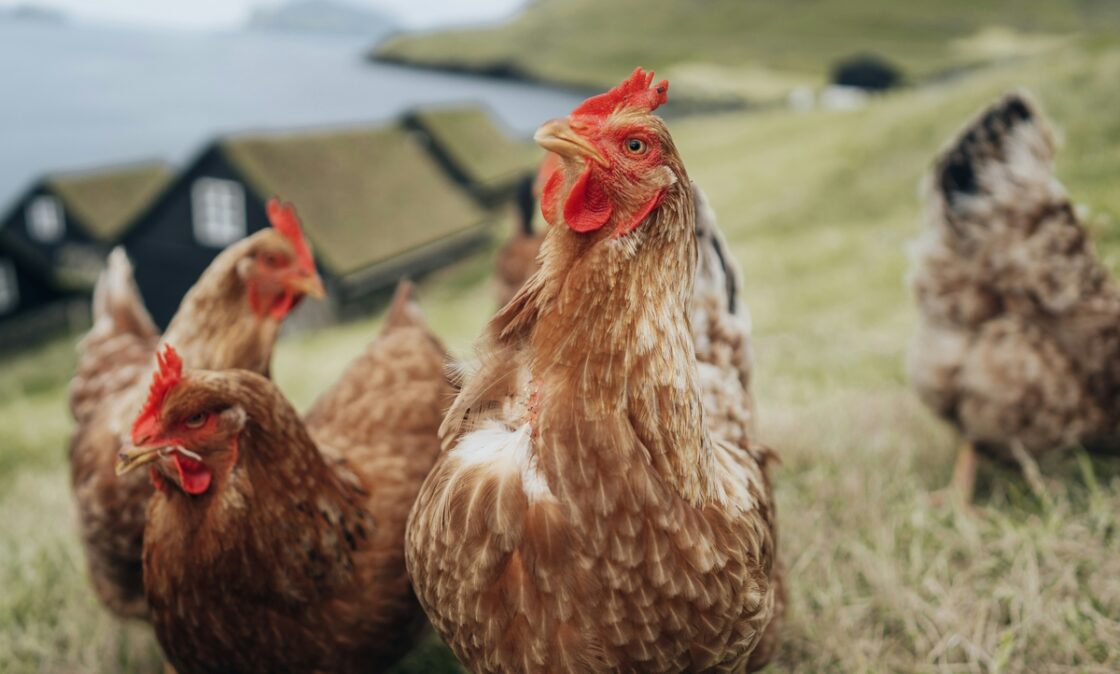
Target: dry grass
[
  {"x": 886, "y": 582},
  {"x": 818, "y": 209}
]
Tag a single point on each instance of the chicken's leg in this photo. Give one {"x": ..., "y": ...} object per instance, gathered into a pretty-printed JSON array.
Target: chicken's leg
[
  {"x": 963, "y": 484},
  {"x": 1031, "y": 473}
]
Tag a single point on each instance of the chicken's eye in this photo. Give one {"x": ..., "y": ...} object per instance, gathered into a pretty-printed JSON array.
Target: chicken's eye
[
  {"x": 196, "y": 420},
  {"x": 636, "y": 146},
  {"x": 274, "y": 260}
]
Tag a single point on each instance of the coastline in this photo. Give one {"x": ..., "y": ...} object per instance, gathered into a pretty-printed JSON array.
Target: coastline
[
  {"x": 502, "y": 72},
  {"x": 512, "y": 72}
]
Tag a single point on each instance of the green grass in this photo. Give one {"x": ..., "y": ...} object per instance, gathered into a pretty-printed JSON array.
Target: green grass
[
  {"x": 756, "y": 49},
  {"x": 818, "y": 208}
]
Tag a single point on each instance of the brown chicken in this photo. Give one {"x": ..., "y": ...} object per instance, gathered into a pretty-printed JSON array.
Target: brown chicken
[
  {"x": 1019, "y": 338},
  {"x": 583, "y": 517},
  {"x": 720, "y": 330},
  {"x": 276, "y": 544},
  {"x": 516, "y": 261},
  {"x": 230, "y": 318},
  {"x": 517, "y": 258}
]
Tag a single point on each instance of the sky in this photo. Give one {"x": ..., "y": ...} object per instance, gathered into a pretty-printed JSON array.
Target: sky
[{"x": 225, "y": 14}]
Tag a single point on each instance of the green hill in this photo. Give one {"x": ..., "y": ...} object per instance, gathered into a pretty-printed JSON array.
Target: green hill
[{"x": 750, "y": 48}]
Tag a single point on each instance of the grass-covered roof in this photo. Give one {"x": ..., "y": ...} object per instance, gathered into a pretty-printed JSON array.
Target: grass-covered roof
[
  {"x": 106, "y": 200},
  {"x": 469, "y": 137},
  {"x": 364, "y": 195}
]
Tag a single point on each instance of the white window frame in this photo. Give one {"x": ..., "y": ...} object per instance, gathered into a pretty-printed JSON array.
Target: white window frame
[
  {"x": 46, "y": 219},
  {"x": 9, "y": 288},
  {"x": 217, "y": 211}
]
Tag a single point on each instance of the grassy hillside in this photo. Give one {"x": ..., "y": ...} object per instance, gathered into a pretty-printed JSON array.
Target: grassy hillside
[
  {"x": 818, "y": 209},
  {"x": 751, "y": 48}
]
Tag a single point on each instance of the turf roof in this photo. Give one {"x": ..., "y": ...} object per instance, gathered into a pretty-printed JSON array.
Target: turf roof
[
  {"x": 107, "y": 200},
  {"x": 476, "y": 145},
  {"x": 364, "y": 195}
]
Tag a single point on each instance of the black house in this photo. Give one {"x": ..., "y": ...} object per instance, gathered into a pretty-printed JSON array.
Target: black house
[
  {"x": 374, "y": 203},
  {"x": 31, "y": 303},
  {"x": 55, "y": 236},
  {"x": 869, "y": 72}
]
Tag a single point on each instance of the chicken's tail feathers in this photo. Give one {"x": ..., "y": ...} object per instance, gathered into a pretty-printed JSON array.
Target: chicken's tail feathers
[
  {"x": 766, "y": 456},
  {"x": 1004, "y": 152},
  {"x": 121, "y": 339},
  {"x": 117, "y": 305},
  {"x": 404, "y": 310}
]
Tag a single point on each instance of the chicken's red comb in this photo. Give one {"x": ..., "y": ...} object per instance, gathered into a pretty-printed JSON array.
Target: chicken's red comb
[
  {"x": 634, "y": 92},
  {"x": 285, "y": 220},
  {"x": 166, "y": 377}
]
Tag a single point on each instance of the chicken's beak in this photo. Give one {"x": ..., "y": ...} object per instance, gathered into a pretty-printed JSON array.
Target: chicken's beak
[
  {"x": 557, "y": 136},
  {"x": 134, "y": 457},
  {"x": 310, "y": 285}
]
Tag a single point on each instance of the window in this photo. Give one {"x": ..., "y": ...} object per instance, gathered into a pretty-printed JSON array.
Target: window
[
  {"x": 45, "y": 220},
  {"x": 80, "y": 262},
  {"x": 218, "y": 211},
  {"x": 9, "y": 293}
]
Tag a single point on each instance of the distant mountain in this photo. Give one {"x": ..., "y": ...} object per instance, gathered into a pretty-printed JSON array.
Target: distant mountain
[
  {"x": 322, "y": 16},
  {"x": 32, "y": 13}
]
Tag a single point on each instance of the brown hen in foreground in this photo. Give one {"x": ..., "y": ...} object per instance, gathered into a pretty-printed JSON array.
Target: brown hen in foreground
[
  {"x": 583, "y": 517},
  {"x": 230, "y": 318},
  {"x": 721, "y": 330},
  {"x": 1019, "y": 339},
  {"x": 277, "y": 545}
]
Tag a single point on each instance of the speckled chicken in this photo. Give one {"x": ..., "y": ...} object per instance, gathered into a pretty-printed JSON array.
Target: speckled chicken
[
  {"x": 1019, "y": 338},
  {"x": 585, "y": 516},
  {"x": 230, "y": 318},
  {"x": 721, "y": 332},
  {"x": 276, "y": 544},
  {"x": 721, "y": 335}
]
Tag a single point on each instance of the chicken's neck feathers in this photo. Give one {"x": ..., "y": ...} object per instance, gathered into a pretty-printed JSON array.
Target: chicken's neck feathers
[
  {"x": 603, "y": 330},
  {"x": 282, "y": 518},
  {"x": 214, "y": 327}
]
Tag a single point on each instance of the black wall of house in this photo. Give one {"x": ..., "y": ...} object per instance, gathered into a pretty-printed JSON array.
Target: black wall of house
[
  {"x": 34, "y": 291},
  {"x": 165, "y": 254},
  {"x": 15, "y": 225}
]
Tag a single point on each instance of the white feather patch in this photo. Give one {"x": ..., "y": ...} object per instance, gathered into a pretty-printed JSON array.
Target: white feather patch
[
  {"x": 669, "y": 176},
  {"x": 497, "y": 446}
]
